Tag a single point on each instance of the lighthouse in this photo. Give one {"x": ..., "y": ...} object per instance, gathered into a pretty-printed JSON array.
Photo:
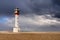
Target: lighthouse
[{"x": 16, "y": 28}]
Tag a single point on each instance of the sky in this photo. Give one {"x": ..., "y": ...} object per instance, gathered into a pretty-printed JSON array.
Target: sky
[{"x": 35, "y": 15}]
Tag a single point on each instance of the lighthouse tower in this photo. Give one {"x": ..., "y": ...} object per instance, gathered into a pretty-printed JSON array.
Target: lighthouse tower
[{"x": 16, "y": 28}]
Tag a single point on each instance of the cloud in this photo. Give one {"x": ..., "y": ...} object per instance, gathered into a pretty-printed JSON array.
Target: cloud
[
  {"x": 56, "y": 2},
  {"x": 35, "y": 22},
  {"x": 29, "y": 6},
  {"x": 35, "y": 15}
]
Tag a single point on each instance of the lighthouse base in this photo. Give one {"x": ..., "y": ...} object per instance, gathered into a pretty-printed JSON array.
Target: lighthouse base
[{"x": 15, "y": 29}]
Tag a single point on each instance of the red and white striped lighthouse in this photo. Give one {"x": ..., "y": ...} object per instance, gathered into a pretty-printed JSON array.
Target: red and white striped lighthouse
[{"x": 16, "y": 28}]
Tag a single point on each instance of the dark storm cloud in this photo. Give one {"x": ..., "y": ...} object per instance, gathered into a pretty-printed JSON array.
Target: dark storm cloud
[
  {"x": 57, "y": 2},
  {"x": 56, "y": 7},
  {"x": 30, "y": 7},
  {"x": 6, "y": 7}
]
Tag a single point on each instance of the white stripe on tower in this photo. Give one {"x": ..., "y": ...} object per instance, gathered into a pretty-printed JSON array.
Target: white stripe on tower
[{"x": 16, "y": 20}]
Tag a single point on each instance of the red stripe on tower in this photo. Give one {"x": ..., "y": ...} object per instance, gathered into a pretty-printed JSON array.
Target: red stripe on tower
[{"x": 17, "y": 11}]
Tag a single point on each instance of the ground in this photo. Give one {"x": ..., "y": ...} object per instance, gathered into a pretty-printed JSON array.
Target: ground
[{"x": 30, "y": 36}]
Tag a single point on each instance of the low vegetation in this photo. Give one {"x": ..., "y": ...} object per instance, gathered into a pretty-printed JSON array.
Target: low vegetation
[{"x": 30, "y": 36}]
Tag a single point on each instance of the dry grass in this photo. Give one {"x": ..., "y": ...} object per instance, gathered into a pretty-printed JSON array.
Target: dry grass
[{"x": 30, "y": 36}]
